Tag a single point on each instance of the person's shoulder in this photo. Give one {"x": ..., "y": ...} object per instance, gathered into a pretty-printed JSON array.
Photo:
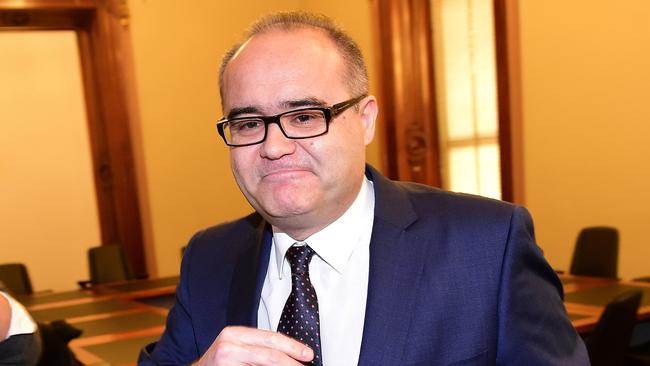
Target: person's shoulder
[
  {"x": 226, "y": 236},
  {"x": 469, "y": 221},
  {"x": 428, "y": 198},
  {"x": 5, "y": 316},
  {"x": 243, "y": 225}
]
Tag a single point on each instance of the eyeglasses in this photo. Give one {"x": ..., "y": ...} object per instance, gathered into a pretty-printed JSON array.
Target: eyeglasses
[{"x": 300, "y": 123}]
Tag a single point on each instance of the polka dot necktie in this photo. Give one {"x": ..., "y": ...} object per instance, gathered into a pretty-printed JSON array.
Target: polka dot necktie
[{"x": 299, "y": 318}]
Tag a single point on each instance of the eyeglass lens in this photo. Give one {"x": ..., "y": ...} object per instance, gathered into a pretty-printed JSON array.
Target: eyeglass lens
[{"x": 294, "y": 124}]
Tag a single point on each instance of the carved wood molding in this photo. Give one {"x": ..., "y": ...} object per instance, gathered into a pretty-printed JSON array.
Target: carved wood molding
[{"x": 407, "y": 123}]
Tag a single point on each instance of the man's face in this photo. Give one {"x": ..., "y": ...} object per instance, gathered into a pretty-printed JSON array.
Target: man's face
[{"x": 299, "y": 186}]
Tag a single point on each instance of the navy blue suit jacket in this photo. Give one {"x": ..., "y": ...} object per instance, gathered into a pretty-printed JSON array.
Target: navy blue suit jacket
[{"x": 454, "y": 280}]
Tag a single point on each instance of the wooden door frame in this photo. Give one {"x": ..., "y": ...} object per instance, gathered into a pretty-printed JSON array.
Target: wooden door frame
[
  {"x": 101, "y": 28},
  {"x": 409, "y": 123},
  {"x": 506, "y": 36}
]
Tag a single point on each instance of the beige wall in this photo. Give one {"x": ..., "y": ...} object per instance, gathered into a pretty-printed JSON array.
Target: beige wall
[
  {"x": 48, "y": 214},
  {"x": 586, "y": 120},
  {"x": 177, "y": 49}
]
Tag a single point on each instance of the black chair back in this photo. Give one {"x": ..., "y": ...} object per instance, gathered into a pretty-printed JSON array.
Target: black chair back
[
  {"x": 596, "y": 253},
  {"x": 15, "y": 278},
  {"x": 109, "y": 263},
  {"x": 608, "y": 343}
]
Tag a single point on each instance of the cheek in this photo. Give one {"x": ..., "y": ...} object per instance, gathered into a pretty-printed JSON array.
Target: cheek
[
  {"x": 346, "y": 143},
  {"x": 242, "y": 167}
]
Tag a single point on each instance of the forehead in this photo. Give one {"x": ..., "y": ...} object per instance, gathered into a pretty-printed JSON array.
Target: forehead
[{"x": 284, "y": 65}]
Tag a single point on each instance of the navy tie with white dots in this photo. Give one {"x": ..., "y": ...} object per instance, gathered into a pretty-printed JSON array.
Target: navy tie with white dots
[{"x": 299, "y": 318}]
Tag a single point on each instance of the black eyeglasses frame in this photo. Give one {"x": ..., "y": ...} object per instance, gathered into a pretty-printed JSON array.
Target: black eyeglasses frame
[{"x": 329, "y": 113}]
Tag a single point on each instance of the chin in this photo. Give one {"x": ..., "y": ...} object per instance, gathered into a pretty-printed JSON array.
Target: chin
[
  {"x": 289, "y": 210},
  {"x": 286, "y": 207}
]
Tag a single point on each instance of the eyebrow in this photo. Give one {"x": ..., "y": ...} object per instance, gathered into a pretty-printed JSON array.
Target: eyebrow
[
  {"x": 242, "y": 110},
  {"x": 306, "y": 102},
  {"x": 287, "y": 104}
]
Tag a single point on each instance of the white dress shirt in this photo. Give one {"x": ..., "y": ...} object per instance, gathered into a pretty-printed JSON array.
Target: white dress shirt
[
  {"x": 339, "y": 274},
  {"x": 21, "y": 322}
]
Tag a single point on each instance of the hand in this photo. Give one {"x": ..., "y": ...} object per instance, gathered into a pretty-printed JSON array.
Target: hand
[{"x": 250, "y": 346}]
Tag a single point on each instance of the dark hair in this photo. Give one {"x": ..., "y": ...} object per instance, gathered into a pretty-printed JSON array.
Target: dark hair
[{"x": 356, "y": 73}]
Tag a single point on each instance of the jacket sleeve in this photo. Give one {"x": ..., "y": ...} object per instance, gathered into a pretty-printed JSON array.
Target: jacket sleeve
[
  {"x": 533, "y": 326},
  {"x": 177, "y": 345}
]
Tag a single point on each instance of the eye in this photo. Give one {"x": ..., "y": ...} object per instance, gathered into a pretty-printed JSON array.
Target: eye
[
  {"x": 246, "y": 126},
  {"x": 305, "y": 118}
]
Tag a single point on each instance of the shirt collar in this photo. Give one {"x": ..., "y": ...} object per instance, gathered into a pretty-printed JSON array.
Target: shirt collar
[{"x": 335, "y": 243}]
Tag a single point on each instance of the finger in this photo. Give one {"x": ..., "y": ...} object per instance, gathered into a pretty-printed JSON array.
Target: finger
[
  {"x": 227, "y": 353},
  {"x": 268, "y": 339},
  {"x": 289, "y": 346}
]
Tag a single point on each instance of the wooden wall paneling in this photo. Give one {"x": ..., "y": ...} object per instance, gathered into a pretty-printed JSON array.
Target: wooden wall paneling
[{"x": 408, "y": 122}]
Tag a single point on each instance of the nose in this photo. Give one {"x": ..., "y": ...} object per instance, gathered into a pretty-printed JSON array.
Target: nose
[{"x": 276, "y": 144}]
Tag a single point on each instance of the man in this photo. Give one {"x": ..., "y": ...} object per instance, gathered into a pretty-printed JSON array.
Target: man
[
  {"x": 20, "y": 342},
  {"x": 357, "y": 268}
]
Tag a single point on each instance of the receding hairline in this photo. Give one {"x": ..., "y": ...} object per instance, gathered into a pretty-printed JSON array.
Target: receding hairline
[
  {"x": 294, "y": 31},
  {"x": 355, "y": 68}
]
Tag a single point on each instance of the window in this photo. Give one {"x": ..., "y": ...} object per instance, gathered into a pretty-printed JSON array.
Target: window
[{"x": 464, "y": 54}]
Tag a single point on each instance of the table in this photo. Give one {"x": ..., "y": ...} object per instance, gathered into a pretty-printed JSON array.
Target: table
[
  {"x": 117, "y": 319},
  {"x": 585, "y": 298}
]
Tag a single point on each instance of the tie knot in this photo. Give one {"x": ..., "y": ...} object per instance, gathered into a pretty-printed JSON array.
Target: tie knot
[{"x": 299, "y": 258}]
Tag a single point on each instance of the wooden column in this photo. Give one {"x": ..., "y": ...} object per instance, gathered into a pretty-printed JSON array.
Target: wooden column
[{"x": 407, "y": 121}]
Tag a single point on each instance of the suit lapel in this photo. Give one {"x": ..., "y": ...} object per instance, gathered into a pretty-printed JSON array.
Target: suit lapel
[
  {"x": 248, "y": 277},
  {"x": 396, "y": 265}
]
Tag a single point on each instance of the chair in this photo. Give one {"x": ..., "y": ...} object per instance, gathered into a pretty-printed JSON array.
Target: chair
[
  {"x": 15, "y": 278},
  {"x": 107, "y": 263},
  {"x": 638, "y": 355},
  {"x": 608, "y": 343},
  {"x": 596, "y": 253}
]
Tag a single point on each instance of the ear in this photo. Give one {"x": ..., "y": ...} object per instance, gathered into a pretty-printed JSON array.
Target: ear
[{"x": 368, "y": 111}]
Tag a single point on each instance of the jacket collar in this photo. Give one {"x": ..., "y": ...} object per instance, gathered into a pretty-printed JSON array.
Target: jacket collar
[
  {"x": 397, "y": 258},
  {"x": 248, "y": 275},
  {"x": 392, "y": 204}
]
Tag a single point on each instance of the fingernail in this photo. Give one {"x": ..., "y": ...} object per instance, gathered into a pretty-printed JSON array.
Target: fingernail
[{"x": 306, "y": 351}]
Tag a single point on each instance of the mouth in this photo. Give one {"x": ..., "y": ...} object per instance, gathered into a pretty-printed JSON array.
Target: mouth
[{"x": 285, "y": 173}]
